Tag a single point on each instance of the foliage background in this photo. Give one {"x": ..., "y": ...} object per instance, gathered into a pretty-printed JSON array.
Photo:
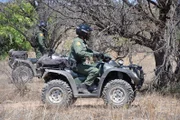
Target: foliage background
[{"x": 16, "y": 19}]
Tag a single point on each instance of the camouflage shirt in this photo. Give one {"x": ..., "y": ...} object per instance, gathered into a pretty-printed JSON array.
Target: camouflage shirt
[
  {"x": 79, "y": 50},
  {"x": 41, "y": 40}
]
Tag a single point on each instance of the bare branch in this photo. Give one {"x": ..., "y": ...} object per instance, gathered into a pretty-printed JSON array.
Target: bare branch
[{"x": 154, "y": 3}]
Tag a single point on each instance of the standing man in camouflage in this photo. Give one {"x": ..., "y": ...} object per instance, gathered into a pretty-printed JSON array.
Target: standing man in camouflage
[
  {"x": 40, "y": 39},
  {"x": 80, "y": 52}
]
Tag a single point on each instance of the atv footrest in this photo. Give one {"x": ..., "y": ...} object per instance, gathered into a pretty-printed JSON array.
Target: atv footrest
[{"x": 92, "y": 95}]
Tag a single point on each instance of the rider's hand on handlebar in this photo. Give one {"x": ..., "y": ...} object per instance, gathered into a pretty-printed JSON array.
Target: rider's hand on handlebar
[
  {"x": 107, "y": 58},
  {"x": 98, "y": 55}
]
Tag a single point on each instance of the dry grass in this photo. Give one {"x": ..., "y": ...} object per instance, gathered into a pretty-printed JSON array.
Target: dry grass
[
  {"x": 145, "y": 107},
  {"x": 14, "y": 106}
]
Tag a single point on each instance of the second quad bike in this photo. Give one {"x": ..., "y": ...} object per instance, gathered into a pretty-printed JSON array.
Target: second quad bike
[
  {"x": 116, "y": 83},
  {"x": 24, "y": 68}
]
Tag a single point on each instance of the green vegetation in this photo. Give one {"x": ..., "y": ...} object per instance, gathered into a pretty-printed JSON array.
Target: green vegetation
[{"x": 15, "y": 21}]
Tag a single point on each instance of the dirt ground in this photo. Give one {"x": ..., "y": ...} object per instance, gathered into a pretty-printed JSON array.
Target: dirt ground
[{"x": 15, "y": 105}]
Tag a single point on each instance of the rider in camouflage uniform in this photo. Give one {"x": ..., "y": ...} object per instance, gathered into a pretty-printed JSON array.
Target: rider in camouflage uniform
[
  {"x": 40, "y": 39},
  {"x": 80, "y": 52}
]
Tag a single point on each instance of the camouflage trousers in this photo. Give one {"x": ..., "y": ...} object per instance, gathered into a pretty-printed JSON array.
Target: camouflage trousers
[
  {"x": 88, "y": 70},
  {"x": 39, "y": 52}
]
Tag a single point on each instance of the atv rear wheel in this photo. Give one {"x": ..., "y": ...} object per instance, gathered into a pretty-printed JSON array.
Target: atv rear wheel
[
  {"x": 22, "y": 75},
  {"x": 118, "y": 93},
  {"x": 57, "y": 92}
]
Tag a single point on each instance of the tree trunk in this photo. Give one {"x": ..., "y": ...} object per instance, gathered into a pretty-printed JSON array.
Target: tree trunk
[
  {"x": 159, "y": 58},
  {"x": 164, "y": 71}
]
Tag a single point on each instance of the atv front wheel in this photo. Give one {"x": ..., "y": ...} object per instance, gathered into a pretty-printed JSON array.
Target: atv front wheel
[
  {"x": 118, "y": 93},
  {"x": 22, "y": 75},
  {"x": 57, "y": 92}
]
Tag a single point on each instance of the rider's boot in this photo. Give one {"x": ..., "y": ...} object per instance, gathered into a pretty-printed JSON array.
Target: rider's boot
[
  {"x": 92, "y": 88},
  {"x": 83, "y": 89}
]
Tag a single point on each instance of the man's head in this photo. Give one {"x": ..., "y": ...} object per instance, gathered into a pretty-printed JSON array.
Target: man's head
[
  {"x": 42, "y": 26},
  {"x": 83, "y": 31}
]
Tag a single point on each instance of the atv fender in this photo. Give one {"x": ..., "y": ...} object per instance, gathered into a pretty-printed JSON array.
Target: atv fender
[
  {"x": 68, "y": 76},
  {"x": 128, "y": 72},
  {"x": 18, "y": 62}
]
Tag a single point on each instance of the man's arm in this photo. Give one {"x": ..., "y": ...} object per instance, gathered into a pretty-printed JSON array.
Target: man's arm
[
  {"x": 92, "y": 51},
  {"x": 81, "y": 50}
]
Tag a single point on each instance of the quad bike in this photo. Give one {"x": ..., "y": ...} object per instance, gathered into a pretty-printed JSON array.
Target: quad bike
[
  {"x": 116, "y": 84},
  {"x": 24, "y": 68}
]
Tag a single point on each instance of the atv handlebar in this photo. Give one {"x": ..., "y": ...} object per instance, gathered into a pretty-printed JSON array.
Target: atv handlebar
[
  {"x": 103, "y": 57},
  {"x": 106, "y": 59}
]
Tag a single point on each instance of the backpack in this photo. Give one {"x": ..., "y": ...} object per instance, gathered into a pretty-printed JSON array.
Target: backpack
[{"x": 33, "y": 38}]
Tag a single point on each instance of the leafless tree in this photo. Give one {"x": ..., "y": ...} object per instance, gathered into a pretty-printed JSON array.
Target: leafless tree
[{"x": 146, "y": 22}]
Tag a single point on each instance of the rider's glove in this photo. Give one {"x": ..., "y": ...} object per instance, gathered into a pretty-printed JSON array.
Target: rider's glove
[{"x": 98, "y": 55}]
